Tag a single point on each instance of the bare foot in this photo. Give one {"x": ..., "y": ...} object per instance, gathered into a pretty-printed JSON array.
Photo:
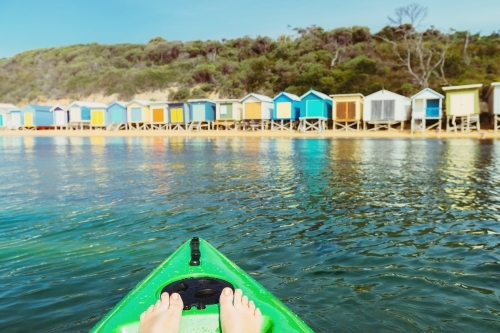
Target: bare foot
[
  {"x": 240, "y": 317},
  {"x": 164, "y": 316}
]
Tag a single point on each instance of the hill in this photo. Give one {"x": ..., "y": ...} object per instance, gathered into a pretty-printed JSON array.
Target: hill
[{"x": 344, "y": 60}]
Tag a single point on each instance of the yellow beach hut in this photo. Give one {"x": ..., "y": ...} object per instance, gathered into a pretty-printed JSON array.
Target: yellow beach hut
[
  {"x": 79, "y": 113},
  {"x": 257, "y": 111},
  {"x": 138, "y": 114},
  {"x": 462, "y": 107},
  {"x": 347, "y": 111}
]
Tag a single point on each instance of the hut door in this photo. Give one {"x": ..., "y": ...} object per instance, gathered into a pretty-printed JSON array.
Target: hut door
[
  {"x": 351, "y": 110},
  {"x": 85, "y": 113},
  {"x": 16, "y": 119},
  {"x": 116, "y": 115},
  {"x": 176, "y": 115},
  {"x": 136, "y": 114},
  {"x": 377, "y": 110},
  {"x": 314, "y": 109},
  {"x": 1, "y": 120},
  {"x": 341, "y": 108},
  {"x": 97, "y": 118},
  {"x": 432, "y": 109},
  {"x": 199, "y": 112},
  {"x": 226, "y": 111},
  {"x": 284, "y": 110},
  {"x": 59, "y": 117},
  {"x": 252, "y": 111},
  {"x": 158, "y": 115},
  {"x": 28, "y": 119},
  {"x": 389, "y": 109}
]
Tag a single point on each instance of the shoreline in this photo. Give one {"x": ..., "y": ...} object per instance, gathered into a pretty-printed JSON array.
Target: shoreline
[{"x": 431, "y": 134}]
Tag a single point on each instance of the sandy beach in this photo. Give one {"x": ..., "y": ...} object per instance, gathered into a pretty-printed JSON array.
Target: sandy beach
[{"x": 432, "y": 134}]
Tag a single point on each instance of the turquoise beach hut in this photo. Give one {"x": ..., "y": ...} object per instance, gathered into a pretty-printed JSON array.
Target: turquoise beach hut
[
  {"x": 178, "y": 115},
  {"x": 33, "y": 116},
  {"x": 315, "y": 110},
  {"x": 201, "y": 113},
  {"x": 116, "y": 116},
  {"x": 286, "y": 111}
]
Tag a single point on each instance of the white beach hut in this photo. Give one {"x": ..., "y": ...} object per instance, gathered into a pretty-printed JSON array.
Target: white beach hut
[
  {"x": 385, "y": 109},
  {"x": 426, "y": 105},
  {"x": 493, "y": 98},
  {"x": 6, "y": 117},
  {"x": 257, "y": 111},
  {"x": 60, "y": 114},
  {"x": 80, "y": 113}
]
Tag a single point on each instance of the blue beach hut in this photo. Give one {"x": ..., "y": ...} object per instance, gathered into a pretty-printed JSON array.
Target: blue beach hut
[
  {"x": 116, "y": 116},
  {"x": 201, "y": 113},
  {"x": 315, "y": 110},
  {"x": 33, "y": 116},
  {"x": 178, "y": 115},
  {"x": 426, "y": 105},
  {"x": 286, "y": 111}
]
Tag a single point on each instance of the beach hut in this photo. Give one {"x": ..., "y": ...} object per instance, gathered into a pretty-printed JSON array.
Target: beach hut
[
  {"x": 384, "y": 109},
  {"x": 178, "y": 115},
  {"x": 493, "y": 98},
  {"x": 347, "y": 111},
  {"x": 159, "y": 115},
  {"x": 257, "y": 111},
  {"x": 5, "y": 115},
  {"x": 426, "y": 105},
  {"x": 138, "y": 114},
  {"x": 116, "y": 116},
  {"x": 228, "y": 114},
  {"x": 286, "y": 111},
  {"x": 33, "y": 116},
  {"x": 79, "y": 113},
  {"x": 462, "y": 107},
  {"x": 98, "y": 117},
  {"x": 315, "y": 110},
  {"x": 60, "y": 116},
  {"x": 202, "y": 113}
]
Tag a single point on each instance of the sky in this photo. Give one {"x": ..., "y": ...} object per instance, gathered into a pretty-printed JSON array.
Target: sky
[{"x": 34, "y": 24}]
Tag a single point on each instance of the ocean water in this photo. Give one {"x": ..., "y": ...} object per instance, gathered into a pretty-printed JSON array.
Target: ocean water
[{"x": 353, "y": 235}]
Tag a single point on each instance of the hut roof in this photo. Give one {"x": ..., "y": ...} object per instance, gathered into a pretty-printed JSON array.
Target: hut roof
[
  {"x": 228, "y": 100},
  {"x": 388, "y": 92},
  {"x": 87, "y": 104},
  {"x": 260, "y": 97},
  {"x": 42, "y": 108},
  {"x": 158, "y": 102},
  {"x": 317, "y": 93},
  {"x": 140, "y": 102},
  {"x": 348, "y": 95},
  {"x": 206, "y": 100},
  {"x": 427, "y": 90},
  {"x": 6, "y": 107},
  {"x": 62, "y": 107},
  {"x": 469, "y": 86},
  {"x": 291, "y": 96}
]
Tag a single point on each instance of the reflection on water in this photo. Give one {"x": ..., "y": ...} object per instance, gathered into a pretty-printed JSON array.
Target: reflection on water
[{"x": 354, "y": 235}]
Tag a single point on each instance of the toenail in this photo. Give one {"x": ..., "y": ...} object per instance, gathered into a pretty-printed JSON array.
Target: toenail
[
  {"x": 175, "y": 296},
  {"x": 227, "y": 291}
]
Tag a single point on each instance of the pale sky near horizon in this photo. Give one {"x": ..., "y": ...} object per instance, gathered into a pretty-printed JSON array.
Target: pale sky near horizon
[{"x": 33, "y": 24}]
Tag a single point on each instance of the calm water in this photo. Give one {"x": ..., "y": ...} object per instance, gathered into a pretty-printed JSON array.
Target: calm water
[{"x": 353, "y": 235}]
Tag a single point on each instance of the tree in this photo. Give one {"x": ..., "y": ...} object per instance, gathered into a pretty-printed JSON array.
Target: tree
[{"x": 423, "y": 53}]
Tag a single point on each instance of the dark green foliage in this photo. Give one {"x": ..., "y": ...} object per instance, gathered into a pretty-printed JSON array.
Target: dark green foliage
[{"x": 344, "y": 60}]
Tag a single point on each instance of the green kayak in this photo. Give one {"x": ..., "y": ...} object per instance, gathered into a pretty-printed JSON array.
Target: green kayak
[{"x": 198, "y": 272}]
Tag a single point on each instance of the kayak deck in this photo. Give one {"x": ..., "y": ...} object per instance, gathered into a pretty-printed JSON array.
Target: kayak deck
[{"x": 124, "y": 317}]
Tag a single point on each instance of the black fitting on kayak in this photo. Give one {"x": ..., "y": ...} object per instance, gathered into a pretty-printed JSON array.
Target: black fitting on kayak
[
  {"x": 195, "y": 252},
  {"x": 199, "y": 292}
]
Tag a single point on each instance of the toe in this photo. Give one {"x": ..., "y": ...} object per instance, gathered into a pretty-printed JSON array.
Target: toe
[
  {"x": 176, "y": 302},
  {"x": 226, "y": 297},
  {"x": 237, "y": 297},
  {"x": 244, "y": 301},
  {"x": 149, "y": 310},
  {"x": 165, "y": 299},
  {"x": 258, "y": 314},
  {"x": 251, "y": 306},
  {"x": 157, "y": 305}
]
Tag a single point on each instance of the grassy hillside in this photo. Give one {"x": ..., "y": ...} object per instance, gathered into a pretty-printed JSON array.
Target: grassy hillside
[{"x": 231, "y": 68}]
